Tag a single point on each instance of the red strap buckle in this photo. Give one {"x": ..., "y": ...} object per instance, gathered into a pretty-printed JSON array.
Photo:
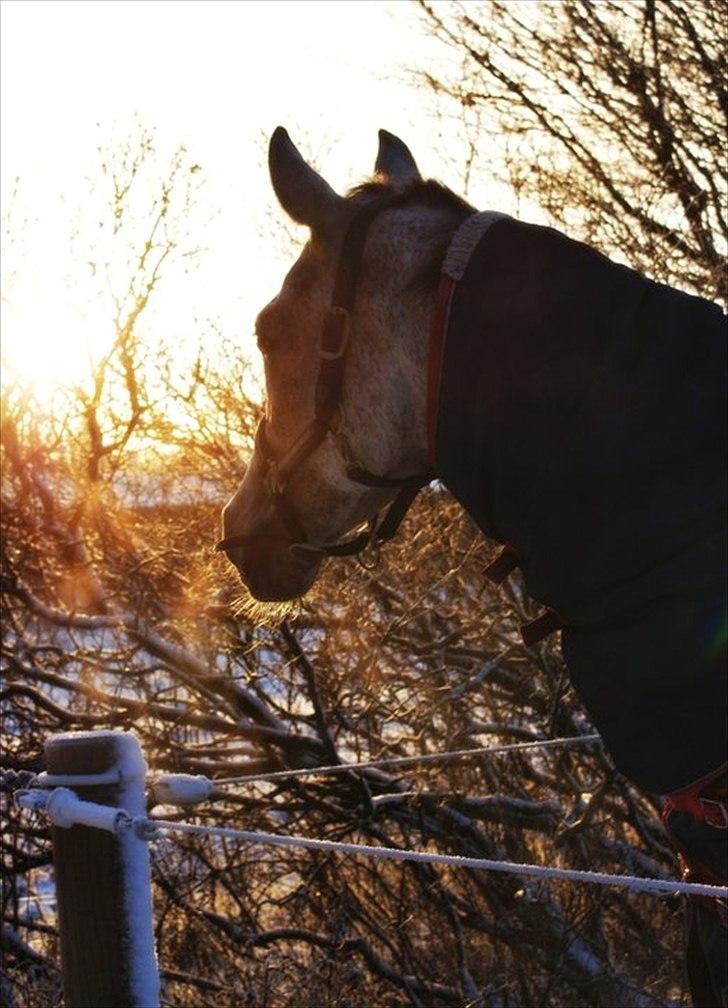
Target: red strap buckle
[{"x": 715, "y": 813}]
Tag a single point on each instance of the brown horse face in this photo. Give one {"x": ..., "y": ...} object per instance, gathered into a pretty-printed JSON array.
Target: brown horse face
[
  {"x": 325, "y": 503},
  {"x": 287, "y": 331}
]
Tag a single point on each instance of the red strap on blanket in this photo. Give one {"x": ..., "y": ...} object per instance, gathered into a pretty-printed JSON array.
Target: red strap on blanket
[
  {"x": 705, "y": 799},
  {"x": 434, "y": 363},
  {"x": 696, "y": 820}
]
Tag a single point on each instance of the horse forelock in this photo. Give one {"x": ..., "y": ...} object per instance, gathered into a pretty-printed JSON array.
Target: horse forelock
[{"x": 428, "y": 194}]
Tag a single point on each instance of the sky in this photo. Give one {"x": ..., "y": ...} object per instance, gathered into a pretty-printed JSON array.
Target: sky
[{"x": 216, "y": 77}]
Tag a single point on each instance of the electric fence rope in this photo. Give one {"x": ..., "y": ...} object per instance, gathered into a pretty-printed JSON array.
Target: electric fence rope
[
  {"x": 189, "y": 789},
  {"x": 151, "y": 826},
  {"x": 65, "y": 809},
  {"x": 404, "y": 761}
]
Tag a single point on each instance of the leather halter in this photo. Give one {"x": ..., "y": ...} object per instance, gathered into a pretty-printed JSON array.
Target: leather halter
[{"x": 327, "y": 404}]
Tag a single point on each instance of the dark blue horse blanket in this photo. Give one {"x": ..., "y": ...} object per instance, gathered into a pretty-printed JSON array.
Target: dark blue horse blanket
[{"x": 581, "y": 419}]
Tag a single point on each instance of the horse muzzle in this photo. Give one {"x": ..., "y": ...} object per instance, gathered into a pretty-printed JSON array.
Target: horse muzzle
[{"x": 270, "y": 565}]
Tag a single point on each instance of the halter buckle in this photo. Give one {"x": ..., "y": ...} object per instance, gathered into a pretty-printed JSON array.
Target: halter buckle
[{"x": 335, "y": 336}]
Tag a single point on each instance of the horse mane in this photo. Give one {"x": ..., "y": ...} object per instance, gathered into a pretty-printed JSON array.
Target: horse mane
[{"x": 428, "y": 193}]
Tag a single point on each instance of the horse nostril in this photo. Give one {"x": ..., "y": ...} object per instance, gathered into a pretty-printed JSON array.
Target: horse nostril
[
  {"x": 270, "y": 567},
  {"x": 233, "y": 542},
  {"x": 232, "y": 553}
]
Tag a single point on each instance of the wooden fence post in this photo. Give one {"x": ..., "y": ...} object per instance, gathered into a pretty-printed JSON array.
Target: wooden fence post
[{"x": 103, "y": 880}]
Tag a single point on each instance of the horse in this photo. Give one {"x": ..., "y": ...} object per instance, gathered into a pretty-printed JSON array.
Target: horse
[{"x": 576, "y": 410}]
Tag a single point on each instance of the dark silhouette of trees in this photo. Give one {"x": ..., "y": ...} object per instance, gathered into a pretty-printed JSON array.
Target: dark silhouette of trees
[{"x": 611, "y": 116}]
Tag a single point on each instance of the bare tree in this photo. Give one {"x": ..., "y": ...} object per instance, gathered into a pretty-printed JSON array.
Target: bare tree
[
  {"x": 611, "y": 116},
  {"x": 141, "y": 235},
  {"x": 409, "y": 658}
]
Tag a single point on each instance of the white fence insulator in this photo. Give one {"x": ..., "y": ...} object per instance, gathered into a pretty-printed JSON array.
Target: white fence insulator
[
  {"x": 181, "y": 789},
  {"x": 65, "y": 809}
]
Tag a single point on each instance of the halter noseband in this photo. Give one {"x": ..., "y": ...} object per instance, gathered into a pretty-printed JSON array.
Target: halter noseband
[{"x": 327, "y": 403}]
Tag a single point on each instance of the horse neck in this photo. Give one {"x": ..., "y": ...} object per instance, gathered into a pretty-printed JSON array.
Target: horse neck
[{"x": 396, "y": 301}]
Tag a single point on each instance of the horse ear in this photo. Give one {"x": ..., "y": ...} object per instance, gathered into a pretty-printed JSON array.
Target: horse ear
[
  {"x": 301, "y": 191},
  {"x": 394, "y": 160}
]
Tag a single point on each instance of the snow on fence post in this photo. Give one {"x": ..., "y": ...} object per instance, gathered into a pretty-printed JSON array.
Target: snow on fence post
[{"x": 103, "y": 880}]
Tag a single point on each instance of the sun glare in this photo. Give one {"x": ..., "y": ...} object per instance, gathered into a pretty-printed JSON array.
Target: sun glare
[
  {"x": 46, "y": 344},
  {"x": 32, "y": 349},
  {"x": 57, "y": 315}
]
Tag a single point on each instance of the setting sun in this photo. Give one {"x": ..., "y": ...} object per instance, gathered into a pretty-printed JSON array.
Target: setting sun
[{"x": 45, "y": 343}]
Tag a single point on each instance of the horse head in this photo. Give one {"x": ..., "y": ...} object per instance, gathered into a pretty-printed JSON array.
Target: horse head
[{"x": 344, "y": 345}]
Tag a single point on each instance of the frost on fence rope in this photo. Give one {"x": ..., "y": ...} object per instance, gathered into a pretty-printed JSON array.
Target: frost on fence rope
[{"x": 65, "y": 809}]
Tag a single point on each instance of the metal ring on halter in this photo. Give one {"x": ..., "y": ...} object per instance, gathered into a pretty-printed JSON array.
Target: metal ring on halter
[{"x": 368, "y": 558}]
